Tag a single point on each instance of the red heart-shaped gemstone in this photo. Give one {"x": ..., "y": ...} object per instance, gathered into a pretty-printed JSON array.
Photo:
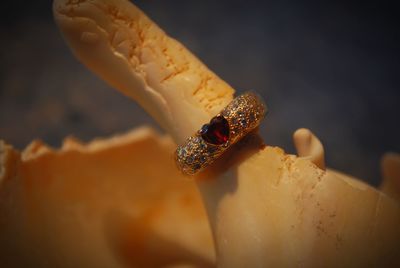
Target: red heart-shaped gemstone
[{"x": 217, "y": 131}]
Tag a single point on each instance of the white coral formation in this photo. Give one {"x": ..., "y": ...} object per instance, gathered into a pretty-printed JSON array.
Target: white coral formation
[
  {"x": 124, "y": 47},
  {"x": 91, "y": 205},
  {"x": 110, "y": 203}
]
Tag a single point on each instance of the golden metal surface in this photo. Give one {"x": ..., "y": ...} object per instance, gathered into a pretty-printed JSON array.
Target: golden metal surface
[{"x": 244, "y": 113}]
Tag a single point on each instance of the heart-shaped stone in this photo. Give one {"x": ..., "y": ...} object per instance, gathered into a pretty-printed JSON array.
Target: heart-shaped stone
[{"x": 217, "y": 131}]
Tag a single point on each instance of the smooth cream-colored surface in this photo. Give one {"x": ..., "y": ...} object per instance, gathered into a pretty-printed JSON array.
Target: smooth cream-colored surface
[
  {"x": 122, "y": 201},
  {"x": 266, "y": 208},
  {"x": 116, "y": 202},
  {"x": 281, "y": 211},
  {"x": 309, "y": 147}
]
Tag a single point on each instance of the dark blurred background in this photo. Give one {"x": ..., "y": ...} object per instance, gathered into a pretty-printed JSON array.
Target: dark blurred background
[{"x": 328, "y": 66}]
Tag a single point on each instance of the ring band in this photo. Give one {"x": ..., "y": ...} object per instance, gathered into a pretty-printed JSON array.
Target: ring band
[{"x": 236, "y": 120}]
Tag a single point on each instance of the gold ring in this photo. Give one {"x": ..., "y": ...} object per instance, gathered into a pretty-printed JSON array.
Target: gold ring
[{"x": 242, "y": 115}]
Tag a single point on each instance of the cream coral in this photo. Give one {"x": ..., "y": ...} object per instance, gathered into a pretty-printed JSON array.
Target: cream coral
[
  {"x": 266, "y": 208},
  {"x": 110, "y": 203}
]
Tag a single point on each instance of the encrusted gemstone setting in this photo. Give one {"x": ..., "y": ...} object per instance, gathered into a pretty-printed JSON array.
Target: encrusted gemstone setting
[{"x": 237, "y": 119}]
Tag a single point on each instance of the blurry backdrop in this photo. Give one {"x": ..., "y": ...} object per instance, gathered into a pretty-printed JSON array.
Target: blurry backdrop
[{"x": 331, "y": 67}]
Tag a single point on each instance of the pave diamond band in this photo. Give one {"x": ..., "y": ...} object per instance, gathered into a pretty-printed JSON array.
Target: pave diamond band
[{"x": 236, "y": 120}]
